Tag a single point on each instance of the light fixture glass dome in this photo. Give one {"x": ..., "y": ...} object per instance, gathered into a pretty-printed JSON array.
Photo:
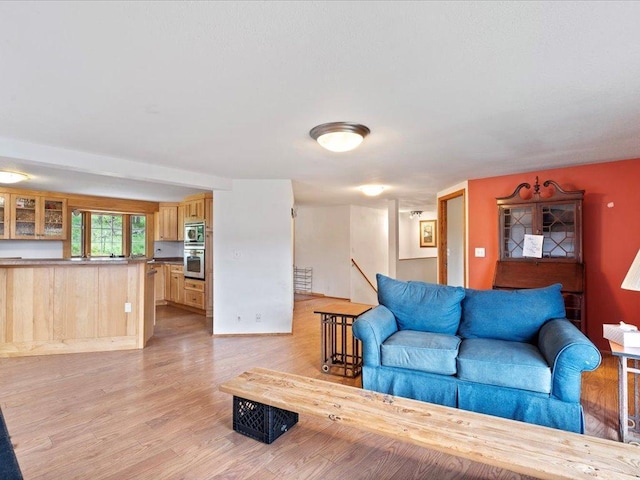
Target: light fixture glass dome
[
  {"x": 372, "y": 190},
  {"x": 339, "y": 136},
  {"x": 12, "y": 177}
]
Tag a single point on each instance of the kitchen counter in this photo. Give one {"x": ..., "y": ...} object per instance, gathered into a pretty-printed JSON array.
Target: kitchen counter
[
  {"x": 167, "y": 260},
  {"x": 8, "y": 262},
  {"x": 56, "y": 305}
]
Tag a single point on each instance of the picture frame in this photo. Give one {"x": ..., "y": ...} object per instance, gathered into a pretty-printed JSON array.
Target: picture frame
[{"x": 428, "y": 233}]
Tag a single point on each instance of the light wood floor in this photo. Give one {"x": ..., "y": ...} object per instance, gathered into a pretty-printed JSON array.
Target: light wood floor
[{"x": 157, "y": 413}]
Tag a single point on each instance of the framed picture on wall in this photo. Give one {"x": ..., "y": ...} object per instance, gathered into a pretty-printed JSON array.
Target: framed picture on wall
[{"x": 428, "y": 233}]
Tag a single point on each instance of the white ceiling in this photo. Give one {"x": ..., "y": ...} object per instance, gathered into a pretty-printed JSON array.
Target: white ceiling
[{"x": 197, "y": 93}]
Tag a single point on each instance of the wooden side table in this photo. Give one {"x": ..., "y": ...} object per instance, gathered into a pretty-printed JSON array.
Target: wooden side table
[
  {"x": 340, "y": 350},
  {"x": 629, "y": 423}
]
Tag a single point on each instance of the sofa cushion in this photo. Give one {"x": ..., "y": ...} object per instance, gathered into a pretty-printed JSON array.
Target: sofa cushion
[
  {"x": 514, "y": 315},
  {"x": 505, "y": 364},
  {"x": 421, "y": 306},
  {"x": 424, "y": 351}
]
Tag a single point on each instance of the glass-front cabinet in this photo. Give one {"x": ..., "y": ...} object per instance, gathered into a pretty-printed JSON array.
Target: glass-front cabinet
[
  {"x": 38, "y": 217},
  {"x": 4, "y": 215},
  {"x": 556, "y": 218}
]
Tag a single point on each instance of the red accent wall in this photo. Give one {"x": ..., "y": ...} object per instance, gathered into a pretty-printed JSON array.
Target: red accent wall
[{"x": 611, "y": 234}]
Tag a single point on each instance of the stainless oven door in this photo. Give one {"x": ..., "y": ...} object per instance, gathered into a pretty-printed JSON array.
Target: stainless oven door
[{"x": 194, "y": 263}]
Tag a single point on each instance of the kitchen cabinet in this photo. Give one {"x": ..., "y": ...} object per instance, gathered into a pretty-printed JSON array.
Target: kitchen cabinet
[
  {"x": 181, "y": 222},
  {"x": 166, "y": 223},
  {"x": 194, "y": 293},
  {"x": 194, "y": 210},
  {"x": 176, "y": 284},
  {"x": 4, "y": 215},
  {"x": 159, "y": 285},
  {"x": 555, "y": 215},
  {"x": 36, "y": 217}
]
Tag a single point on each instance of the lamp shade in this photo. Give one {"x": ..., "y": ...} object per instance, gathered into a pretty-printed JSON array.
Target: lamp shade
[
  {"x": 339, "y": 136},
  {"x": 372, "y": 190},
  {"x": 11, "y": 177},
  {"x": 632, "y": 280}
]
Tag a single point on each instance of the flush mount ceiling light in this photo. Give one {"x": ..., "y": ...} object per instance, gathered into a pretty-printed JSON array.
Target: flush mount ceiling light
[
  {"x": 372, "y": 190},
  {"x": 339, "y": 136},
  {"x": 12, "y": 177}
]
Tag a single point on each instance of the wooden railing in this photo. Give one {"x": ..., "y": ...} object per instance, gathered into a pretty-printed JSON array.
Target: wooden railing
[{"x": 365, "y": 277}]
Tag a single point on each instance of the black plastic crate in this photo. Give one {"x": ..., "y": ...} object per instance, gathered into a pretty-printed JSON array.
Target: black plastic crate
[{"x": 261, "y": 422}]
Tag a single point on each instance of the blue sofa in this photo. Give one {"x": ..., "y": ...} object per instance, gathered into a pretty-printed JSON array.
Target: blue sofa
[{"x": 512, "y": 354}]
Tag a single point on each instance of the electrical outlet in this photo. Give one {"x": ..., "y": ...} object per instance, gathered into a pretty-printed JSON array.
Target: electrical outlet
[
  {"x": 239, "y": 318},
  {"x": 480, "y": 252},
  {"x": 258, "y": 317},
  {"x": 127, "y": 307}
]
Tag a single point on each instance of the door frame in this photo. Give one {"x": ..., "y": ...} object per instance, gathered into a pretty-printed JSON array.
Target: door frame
[{"x": 442, "y": 234}]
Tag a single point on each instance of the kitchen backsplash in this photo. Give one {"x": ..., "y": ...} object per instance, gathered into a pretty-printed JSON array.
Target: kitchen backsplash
[{"x": 168, "y": 249}]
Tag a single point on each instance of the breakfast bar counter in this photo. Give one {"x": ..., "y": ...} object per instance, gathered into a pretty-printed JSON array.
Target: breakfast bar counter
[{"x": 50, "y": 306}]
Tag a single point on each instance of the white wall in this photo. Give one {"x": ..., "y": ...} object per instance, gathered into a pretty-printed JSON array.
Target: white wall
[
  {"x": 394, "y": 236},
  {"x": 322, "y": 242},
  {"x": 31, "y": 248},
  {"x": 421, "y": 269},
  {"x": 370, "y": 249},
  {"x": 455, "y": 242},
  {"x": 253, "y": 258},
  {"x": 409, "y": 236},
  {"x": 328, "y": 237}
]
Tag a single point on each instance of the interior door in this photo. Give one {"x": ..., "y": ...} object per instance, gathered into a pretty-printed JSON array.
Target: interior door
[{"x": 452, "y": 257}]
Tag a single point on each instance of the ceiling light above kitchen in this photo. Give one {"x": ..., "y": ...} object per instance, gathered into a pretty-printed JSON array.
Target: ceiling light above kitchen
[
  {"x": 12, "y": 177},
  {"x": 339, "y": 136},
  {"x": 372, "y": 190}
]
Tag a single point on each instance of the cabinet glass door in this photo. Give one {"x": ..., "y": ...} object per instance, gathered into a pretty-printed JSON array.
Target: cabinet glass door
[
  {"x": 559, "y": 230},
  {"x": 24, "y": 217},
  {"x": 53, "y": 218},
  {"x": 4, "y": 210},
  {"x": 517, "y": 221}
]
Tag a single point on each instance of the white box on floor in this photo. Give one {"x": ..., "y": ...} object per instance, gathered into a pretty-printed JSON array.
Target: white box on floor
[{"x": 625, "y": 335}]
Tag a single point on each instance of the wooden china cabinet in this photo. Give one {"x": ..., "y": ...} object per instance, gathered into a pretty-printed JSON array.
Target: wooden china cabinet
[{"x": 556, "y": 216}]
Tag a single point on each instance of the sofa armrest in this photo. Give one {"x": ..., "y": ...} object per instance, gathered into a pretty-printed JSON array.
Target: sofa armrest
[
  {"x": 373, "y": 328},
  {"x": 569, "y": 353}
]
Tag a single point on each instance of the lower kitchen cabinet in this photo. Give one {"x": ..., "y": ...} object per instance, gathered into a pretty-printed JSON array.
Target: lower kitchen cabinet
[
  {"x": 194, "y": 293},
  {"x": 176, "y": 288}
]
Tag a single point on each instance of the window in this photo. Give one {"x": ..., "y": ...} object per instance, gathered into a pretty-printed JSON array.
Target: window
[
  {"x": 106, "y": 235},
  {"x": 138, "y": 235},
  {"x": 99, "y": 234},
  {"x": 77, "y": 233}
]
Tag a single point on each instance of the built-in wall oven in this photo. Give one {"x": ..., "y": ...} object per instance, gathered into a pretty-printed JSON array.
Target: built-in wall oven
[
  {"x": 194, "y": 262},
  {"x": 194, "y": 234}
]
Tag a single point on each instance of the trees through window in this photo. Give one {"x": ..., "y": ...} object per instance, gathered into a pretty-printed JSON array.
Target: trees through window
[{"x": 99, "y": 234}]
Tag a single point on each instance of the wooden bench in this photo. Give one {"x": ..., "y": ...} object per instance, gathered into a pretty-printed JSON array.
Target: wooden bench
[{"x": 532, "y": 450}]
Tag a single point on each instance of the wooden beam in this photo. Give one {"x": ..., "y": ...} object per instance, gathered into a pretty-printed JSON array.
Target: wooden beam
[{"x": 529, "y": 449}]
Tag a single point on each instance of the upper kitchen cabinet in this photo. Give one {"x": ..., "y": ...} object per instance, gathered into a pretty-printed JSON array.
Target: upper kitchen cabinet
[
  {"x": 557, "y": 218},
  {"x": 198, "y": 207},
  {"x": 193, "y": 210},
  {"x": 181, "y": 222},
  {"x": 4, "y": 215},
  {"x": 35, "y": 217},
  {"x": 166, "y": 223}
]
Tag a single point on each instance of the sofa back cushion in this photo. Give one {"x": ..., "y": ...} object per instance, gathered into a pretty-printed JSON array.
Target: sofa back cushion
[
  {"x": 514, "y": 315},
  {"x": 421, "y": 306}
]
